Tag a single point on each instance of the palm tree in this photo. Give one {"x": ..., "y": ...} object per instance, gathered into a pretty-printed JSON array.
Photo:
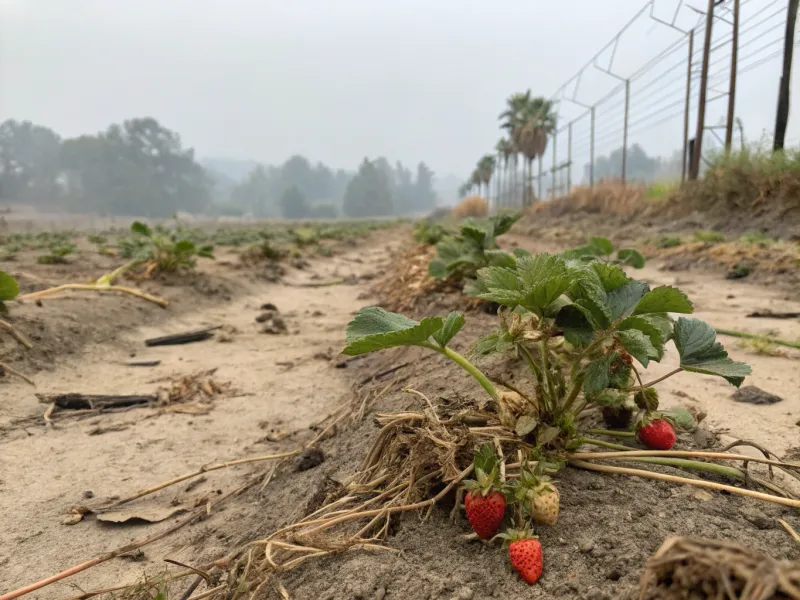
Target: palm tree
[
  {"x": 475, "y": 180},
  {"x": 504, "y": 149},
  {"x": 536, "y": 123},
  {"x": 485, "y": 170},
  {"x": 512, "y": 119}
]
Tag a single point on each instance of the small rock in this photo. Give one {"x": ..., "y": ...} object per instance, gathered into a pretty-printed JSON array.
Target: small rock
[
  {"x": 703, "y": 496},
  {"x": 595, "y": 593},
  {"x": 380, "y": 593},
  {"x": 276, "y": 325},
  {"x": 88, "y": 494},
  {"x": 322, "y": 355},
  {"x": 757, "y": 518},
  {"x": 615, "y": 574},
  {"x": 265, "y": 316},
  {"x": 269, "y": 306},
  {"x": 586, "y": 546},
  {"x": 317, "y": 313},
  {"x": 313, "y": 457},
  {"x": 753, "y": 395},
  {"x": 704, "y": 438}
]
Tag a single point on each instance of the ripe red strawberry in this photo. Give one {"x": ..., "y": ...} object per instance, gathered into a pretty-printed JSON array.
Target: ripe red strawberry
[
  {"x": 525, "y": 554},
  {"x": 484, "y": 503},
  {"x": 657, "y": 434},
  {"x": 485, "y": 513}
]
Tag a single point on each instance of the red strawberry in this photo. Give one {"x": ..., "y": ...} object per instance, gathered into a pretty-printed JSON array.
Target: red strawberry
[
  {"x": 484, "y": 503},
  {"x": 525, "y": 554},
  {"x": 485, "y": 513},
  {"x": 657, "y": 434}
]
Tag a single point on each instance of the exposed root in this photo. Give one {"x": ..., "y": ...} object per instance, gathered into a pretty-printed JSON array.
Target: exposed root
[{"x": 721, "y": 569}]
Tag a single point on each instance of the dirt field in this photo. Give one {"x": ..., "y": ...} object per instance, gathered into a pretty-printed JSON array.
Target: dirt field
[{"x": 271, "y": 392}]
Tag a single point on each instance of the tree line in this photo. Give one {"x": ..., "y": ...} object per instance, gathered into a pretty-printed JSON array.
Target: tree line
[{"x": 141, "y": 168}]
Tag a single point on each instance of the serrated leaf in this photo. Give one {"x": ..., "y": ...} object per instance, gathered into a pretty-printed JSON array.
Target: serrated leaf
[
  {"x": 452, "y": 325},
  {"x": 498, "y": 258},
  {"x": 9, "y": 288},
  {"x": 375, "y": 329},
  {"x": 551, "y": 310},
  {"x": 474, "y": 235},
  {"x": 587, "y": 290},
  {"x": 664, "y": 299},
  {"x": 520, "y": 252},
  {"x": 544, "y": 278},
  {"x": 525, "y": 424},
  {"x": 437, "y": 268},
  {"x": 450, "y": 249},
  {"x": 700, "y": 352},
  {"x": 597, "y": 376},
  {"x": 681, "y": 417},
  {"x": 601, "y": 246},
  {"x": 631, "y": 257},
  {"x": 638, "y": 345},
  {"x": 623, "y": 300},
  {"x": 184, "y": 247},
  {"x": 474, "y": 288},
  {"x": 574, "y": 323},
  {"x": 141, "y": 229},
  {"x": 612, "y": 276},
  {"x": 658, "y": 327},
  {"x": 501, "y": 278},
  {"x": 485, "y": 459},
  {"x": 502, "y": 223}
]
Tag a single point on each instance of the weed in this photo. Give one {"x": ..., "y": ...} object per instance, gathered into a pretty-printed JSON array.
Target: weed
[
  {"x": 757, "y": 238},
  {"x": 761, "y": 345},
  {"x": 669, "y": 242},
  {"x": 427, "y": 232},
  {"x": 164, "y": 251},
  {"x": 600, "y": 248},
  {"x": 58, "y": 254},
  {"x": 709, "y": 237}
]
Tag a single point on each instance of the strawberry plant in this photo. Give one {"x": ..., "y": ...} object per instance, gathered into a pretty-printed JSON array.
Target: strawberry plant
[
  {"x": 165, "y": 252},
  {"x": 600, "y": 248},
  {"x": 9, "y": 290},
  {"x": 461, "y": 256},
  {"x": 58, "y": 254}
]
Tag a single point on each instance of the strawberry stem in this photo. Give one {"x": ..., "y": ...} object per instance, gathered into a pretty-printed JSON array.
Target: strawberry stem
[
  {"x": 468, "y": 367},
  {"x": 612, "y": 433}
]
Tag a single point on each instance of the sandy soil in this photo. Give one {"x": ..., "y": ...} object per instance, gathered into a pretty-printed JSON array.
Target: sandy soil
[{"x": 282, "y": 385}]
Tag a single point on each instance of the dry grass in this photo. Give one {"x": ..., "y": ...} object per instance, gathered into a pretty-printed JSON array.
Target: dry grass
[
  {"x": 611, "y": 196},
  {"x": 474, "y": 206}
]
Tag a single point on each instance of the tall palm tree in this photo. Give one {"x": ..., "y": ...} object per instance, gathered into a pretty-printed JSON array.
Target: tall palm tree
[
  {"x": 512, "y": 119},
  {"x": 475, "y": 180},
  {"x": 485, "y": 169},
  {"x": 504, "y": 149},
  {"x": 536, "y": 123}
]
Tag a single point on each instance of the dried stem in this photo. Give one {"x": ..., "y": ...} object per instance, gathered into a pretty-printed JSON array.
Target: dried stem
[
  {"x": 624, "y": 455},
  {"x": 15, "y": 334},
  {"x": 684, "y": 480},
  {"x": 93, "y": 287},
  {"x": 16, "y": 373}
]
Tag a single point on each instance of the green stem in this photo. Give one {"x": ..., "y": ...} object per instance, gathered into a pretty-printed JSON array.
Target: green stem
[
  {"x": 603, "y": 444},
  {"x": 750, "y": 336},
  {"x": 467, "y": 366},
  {"x": 526, "y": 354},
  {"x": 577, "y": 385},
  {"x": 551, "y": 392},
  {"x": 612, "y": 432},
  {"x": 693, "y": 465}
]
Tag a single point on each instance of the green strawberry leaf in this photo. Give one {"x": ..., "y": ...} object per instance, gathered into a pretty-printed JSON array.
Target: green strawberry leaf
[
  {"x": 638, "y": 345},
  {"x": 498, "y": 258},
  {"x": 700, "y": 352},
  {"x": 601, "y": 246},
  {"x": 9, "y": 288},
  {"x": 452, "y": 325},
  {"x": 485, "y": 459},
  {"x": 681, "y": 417},
  {"x": 544, "y": 278},
  {"x": 573, "y": 320},
  {"x": 375, "y": 329},
  {"x": 664, "y": 299},
  {"x": 623, "y": 300},
  {"x": 437, "y": 268},
  {"x": 658, "y": 327},
  {"x": 631, "y": 257},
  {"x": 502, "y": 223},
  {"x": 612, "y": 276},
  {"x": 597, "y": 376},
  {"x": 141, "y": 229}
]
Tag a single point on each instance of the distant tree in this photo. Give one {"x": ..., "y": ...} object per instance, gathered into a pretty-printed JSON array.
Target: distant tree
[
  {"x": 639, "y": 166},
  {"x": 368, "y": 193},
  {"x": 424, "y": 194},
  {"x": 294, "y": 204},
  {"x": 29, "y": 162},
  {"x": 254, "y": 195},
  {"x": 323, "y": 211}
]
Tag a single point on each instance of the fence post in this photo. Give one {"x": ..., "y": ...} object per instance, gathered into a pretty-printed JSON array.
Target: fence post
[
  {"x": 694, "y": 171},
  {"x": 687, "y": 107},
  {"x": 732, "y": 87},
  {"x": 569, "y": 158},
  {"x": 625, "y": 130},
  {"x": 591, "y": 153},
  {"x": 553, "y": 174}
]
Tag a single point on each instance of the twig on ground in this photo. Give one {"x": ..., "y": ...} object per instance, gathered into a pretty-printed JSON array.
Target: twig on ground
[
  {"x": 15, "y": 334},
  {"x": 93, "y": 287},
  {"x": 11, "y": 371},
  {"x": 790, "y": 530}
]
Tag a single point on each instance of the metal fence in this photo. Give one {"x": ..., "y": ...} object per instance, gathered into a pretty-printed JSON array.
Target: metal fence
[{"x": 662, "y": 97}]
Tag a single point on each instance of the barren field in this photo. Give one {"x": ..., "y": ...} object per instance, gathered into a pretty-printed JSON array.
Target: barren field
[{"x": 269, "y": 388}]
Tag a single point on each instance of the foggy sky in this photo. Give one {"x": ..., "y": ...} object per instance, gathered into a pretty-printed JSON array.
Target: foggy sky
[{"x": 338, "y": 80}]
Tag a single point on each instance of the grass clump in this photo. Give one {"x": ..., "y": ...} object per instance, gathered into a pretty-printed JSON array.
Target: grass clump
[{"x": 709, "y": 237}]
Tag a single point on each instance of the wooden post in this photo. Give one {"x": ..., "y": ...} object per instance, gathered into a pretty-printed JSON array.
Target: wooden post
[
  {"x": 625, "y": 130},
  {"x": 687, "y": 108},
  {"x": 782, "y": 116},
  {"x": 694, "y": 170},
  {"x": 732, "y": 86}
]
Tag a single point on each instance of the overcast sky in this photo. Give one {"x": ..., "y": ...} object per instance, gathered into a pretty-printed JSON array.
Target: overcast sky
[{"x": 338, "y": 80}]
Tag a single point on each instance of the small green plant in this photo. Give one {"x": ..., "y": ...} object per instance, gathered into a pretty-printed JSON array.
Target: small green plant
[
  {"x": 757, "y": 238},
  {"x": 10, "y": 251},
  {"x": 57, "y": 255},
  {"x": 600, "y": 248},
  {"x": 460, "y": 257},
  {"x": 709, "y": 237},
  {"x": 9, "y": 289},
  {"x": 164, "y": 251},
  {"x": 304, "y": 236},
  {"x": 669, "y": 242},
  {"x": 428, "y": 232}
]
